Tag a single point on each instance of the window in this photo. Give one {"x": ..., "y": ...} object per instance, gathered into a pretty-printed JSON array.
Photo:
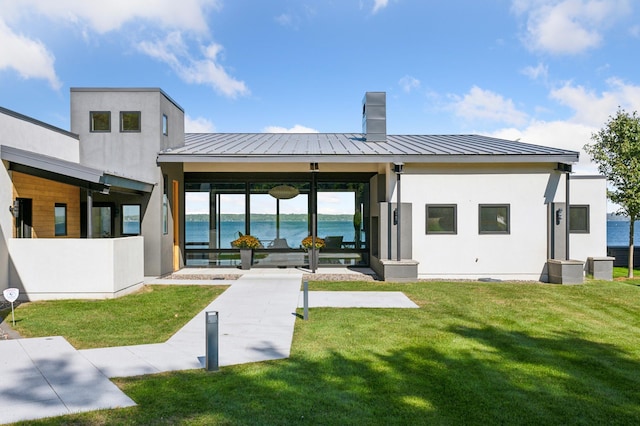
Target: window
[
  {"x": 441, "y": 219},
  {"x": 131, "y": 219},
  {"x": 165, "y": 125},
  {"x": 130, "y": 121},
  {"x": 165, "y": 205},
  {"x": 60, "y": 219},
  {"x": 579, "y": 219},
  {"x": 494, "y": 219},
  {"x": 100, "y": 121}
]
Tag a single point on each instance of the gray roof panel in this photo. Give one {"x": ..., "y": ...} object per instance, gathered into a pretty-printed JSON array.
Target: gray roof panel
[{"x": 349, "y": 147}]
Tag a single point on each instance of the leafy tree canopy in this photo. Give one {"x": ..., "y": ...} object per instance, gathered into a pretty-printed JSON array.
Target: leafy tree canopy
[{"x": 616, "y": 151}]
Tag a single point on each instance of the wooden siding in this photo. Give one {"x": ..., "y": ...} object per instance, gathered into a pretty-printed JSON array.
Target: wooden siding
[{"x": 44, "y": 195}]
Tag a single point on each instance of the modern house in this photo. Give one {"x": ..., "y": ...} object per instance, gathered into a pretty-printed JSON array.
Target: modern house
[{"x": 126, "y": 193}]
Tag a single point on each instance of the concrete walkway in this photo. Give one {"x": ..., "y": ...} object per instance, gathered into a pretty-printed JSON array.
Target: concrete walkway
[{"x": 46, "y": 377}]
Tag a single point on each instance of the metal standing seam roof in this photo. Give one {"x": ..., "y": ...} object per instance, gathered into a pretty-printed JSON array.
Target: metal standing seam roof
[
  {"x": 69, "y": 172},
  {"x": 351, "y": 147}
]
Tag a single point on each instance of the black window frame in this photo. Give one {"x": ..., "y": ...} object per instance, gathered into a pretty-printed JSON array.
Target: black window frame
[
  {"x": 165, "y": 125},
  {"x": 122, "y": 122},
  {"x": 55, "y": 216},
  {"x": 507, "y": 231},
  {"x": 92, "y": 126},
  {"x": 122, "y": 216},
  {"x": 442, "y": 206},
  {"x": 573, "y": 208}
]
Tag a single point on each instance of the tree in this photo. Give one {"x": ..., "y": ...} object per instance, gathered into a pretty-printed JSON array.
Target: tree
[{"x": 616, "y": 151}]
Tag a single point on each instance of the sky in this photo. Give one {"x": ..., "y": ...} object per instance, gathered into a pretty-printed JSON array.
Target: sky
[{"x": 547, "y": 72}]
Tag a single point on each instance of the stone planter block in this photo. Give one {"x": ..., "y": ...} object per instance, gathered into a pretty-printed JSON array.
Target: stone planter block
[
  {"x": 600, "y": 268},
  {"x": 565, "y": 271}
]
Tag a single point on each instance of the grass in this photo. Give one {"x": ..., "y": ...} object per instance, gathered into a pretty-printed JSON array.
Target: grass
[
  {"x": 474, "y": 353},
  {"x": 620, "y": 273},
  {"x": 151, "y": 315}
]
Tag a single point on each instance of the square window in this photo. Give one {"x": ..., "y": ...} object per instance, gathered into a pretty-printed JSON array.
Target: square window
[
  {"x": 130, "y": 121},
  {"x": 441, "y": 219},
  {"x": 165, "y": 204},
  {"x": 131, "y": 219},
  {"x": 60, "y": 219},
  {"x": 100, "y": 121},
  {"x": 579, "y": 219},
  {"x": 165, "y": 125},
  {"x": 494, "y": 219}
]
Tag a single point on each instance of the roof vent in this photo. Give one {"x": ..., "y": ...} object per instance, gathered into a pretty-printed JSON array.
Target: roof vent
[{"x": 374, "y": 116}]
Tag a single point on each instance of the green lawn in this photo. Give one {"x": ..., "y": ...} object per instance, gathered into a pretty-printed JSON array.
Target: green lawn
[
  {"x": 150, "y": 316},
  {"x": 474, "y": 353}
]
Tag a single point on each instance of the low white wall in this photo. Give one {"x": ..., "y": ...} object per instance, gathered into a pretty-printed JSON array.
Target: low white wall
[{"x": 45, "y": 269}]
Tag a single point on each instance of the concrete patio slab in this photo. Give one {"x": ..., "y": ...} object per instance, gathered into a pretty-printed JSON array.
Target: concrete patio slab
[
  {"x": 45, "y": 377},
  {"x": 358, "y": 299}
]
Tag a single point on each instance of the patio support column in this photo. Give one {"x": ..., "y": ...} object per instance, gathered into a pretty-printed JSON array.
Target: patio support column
[
  {"x": 314, "y": 216},
  {"x": 568, "y": 217},
  {"x": 89, "y": 216}
]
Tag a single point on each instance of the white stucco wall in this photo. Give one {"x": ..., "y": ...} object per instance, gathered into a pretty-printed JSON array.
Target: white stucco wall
[
  {"x": 592, "y": 191},
  {"x": 21, "y": 132},
  {"x": 41, "y": 138},
  {"x": 521, "y": 254},
  {"x": 45, "y": 269}
]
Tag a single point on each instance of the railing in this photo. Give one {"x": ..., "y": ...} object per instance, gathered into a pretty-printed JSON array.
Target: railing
[{"x": 621, "y": 253}]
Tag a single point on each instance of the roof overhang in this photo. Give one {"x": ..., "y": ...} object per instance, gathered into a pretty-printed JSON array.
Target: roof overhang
[
  {"x": 68, "y": 172},
  {"x": 567, "y": 158}
]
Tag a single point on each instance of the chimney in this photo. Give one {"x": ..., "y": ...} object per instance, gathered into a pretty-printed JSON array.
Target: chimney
[{"x": 374, "y": 116}]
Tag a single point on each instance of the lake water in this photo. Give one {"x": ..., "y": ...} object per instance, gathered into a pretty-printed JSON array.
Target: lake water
[
  {"x": 618, "y": 233},
  {"x": 294, "y": 232}
]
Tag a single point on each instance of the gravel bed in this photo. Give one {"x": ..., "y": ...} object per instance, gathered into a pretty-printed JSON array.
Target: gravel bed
[
  {"x": 201, "y": 277},
  {"x": 338, "y": 277}
]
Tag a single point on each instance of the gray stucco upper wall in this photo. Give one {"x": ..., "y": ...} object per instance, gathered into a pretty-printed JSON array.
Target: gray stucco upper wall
[
  {"x": 130, "y": 154},
  {"x": 127, "y": 89}
]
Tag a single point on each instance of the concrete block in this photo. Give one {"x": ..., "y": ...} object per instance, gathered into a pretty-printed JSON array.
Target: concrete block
[{"x": 565, "y": 271}]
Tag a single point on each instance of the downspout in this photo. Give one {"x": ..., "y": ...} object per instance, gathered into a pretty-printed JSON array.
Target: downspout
[
  {"x": 89, "y": 210},
  {"x": 398, "y": 169},
  {"x": 568, "y": 214}
]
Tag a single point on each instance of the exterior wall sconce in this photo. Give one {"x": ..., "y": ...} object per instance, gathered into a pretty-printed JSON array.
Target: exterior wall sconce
[{"x": 314, "y": 167}]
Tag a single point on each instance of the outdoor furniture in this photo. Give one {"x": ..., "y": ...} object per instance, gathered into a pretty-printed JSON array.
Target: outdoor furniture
[
  {"x": 279, "y": 243},
  {"x": 333, "y": 242}
]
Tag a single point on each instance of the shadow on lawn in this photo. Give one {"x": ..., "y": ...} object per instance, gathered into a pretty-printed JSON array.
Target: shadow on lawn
[{"x": 500, "y": 377}]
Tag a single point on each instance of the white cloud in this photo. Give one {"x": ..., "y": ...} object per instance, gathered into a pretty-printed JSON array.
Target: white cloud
[
  {"x": 481, "y": 104},
  {"x": 568, "y": 26},
  {"x": 198, "y": 125},
  {"x": 113, "y": 14},
  {"x": 557, "y": 134},
  {"x": 590, "y": 112},
  {"x": 591, "y": 108},
  {"x": 29, "y": 58},
  {"x": 295, "y": 129},
  {"x": 204, "y": 70},
  {"x": 541, "y": 71},
  {"x": 379, "y": 5},
  {"x": 409, "y": 83}
]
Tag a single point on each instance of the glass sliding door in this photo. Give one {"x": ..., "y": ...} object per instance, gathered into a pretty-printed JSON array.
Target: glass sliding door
[
  {"x": 276, "y": 209},
  {"x": 342, "y": 213},
  {"x": 214, "y": 217},
  {"x": 279, "y": 214}
]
